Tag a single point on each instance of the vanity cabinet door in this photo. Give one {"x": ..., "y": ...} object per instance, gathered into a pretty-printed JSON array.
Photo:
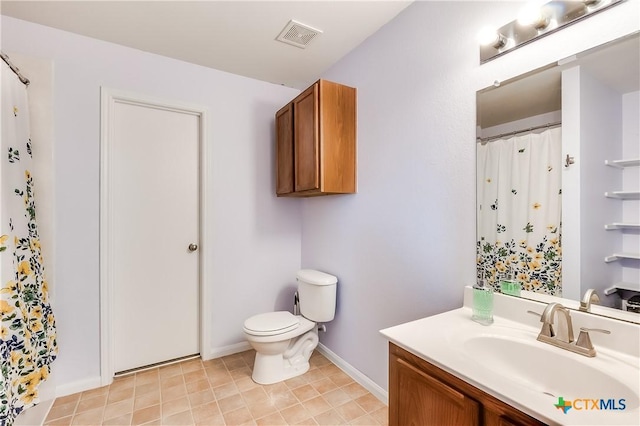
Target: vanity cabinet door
[
  {"x": 421, "y": 394},
  {"x": 416, "y": 398}
]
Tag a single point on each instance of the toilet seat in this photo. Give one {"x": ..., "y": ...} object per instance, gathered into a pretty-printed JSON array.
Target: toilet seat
[{"x": 271, "y": 323}]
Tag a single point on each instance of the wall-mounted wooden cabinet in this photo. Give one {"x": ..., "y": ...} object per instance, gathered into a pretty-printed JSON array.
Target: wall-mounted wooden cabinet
[
  {"x": 316, "y": 142},
  {"x": 423, "y": 394}
]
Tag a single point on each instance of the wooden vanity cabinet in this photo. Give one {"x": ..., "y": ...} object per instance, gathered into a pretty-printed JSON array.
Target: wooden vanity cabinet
[
  {"x": 422, "y": 394},
  {"x": 316, "y": 142}
]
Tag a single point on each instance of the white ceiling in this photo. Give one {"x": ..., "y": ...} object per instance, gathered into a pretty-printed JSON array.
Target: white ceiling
[{"x": 233, "y": 36}]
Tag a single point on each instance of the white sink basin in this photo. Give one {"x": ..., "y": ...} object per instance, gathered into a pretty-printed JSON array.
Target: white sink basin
[{"x": 552, "y": 371}]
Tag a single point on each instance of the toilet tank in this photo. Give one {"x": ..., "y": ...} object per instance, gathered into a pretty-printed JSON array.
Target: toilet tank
[{"x": 317, "y": 292}]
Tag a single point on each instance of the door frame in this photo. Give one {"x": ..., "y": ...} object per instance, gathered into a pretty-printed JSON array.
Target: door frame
[{"x": 109, "y": 98}]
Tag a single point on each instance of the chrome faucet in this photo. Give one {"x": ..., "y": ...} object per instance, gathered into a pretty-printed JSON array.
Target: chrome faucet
[
  {"x": 590, "y": 296},
  {"x": 582, "y": 346}
]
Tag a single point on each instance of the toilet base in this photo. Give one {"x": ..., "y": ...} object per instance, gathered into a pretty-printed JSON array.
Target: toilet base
[
  {"x": 269, "y": 369},
  {"x": 274, "y": 368}
]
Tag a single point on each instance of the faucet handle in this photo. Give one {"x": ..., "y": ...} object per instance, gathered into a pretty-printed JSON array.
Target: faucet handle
[
  {"x": 539, "y": 315},
  {"x": 584, "y": 341},
  {"x": 597, "y": 330}
]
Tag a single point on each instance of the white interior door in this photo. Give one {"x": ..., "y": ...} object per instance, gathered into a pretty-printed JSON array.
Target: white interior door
[{"x": 154, "y": 187}]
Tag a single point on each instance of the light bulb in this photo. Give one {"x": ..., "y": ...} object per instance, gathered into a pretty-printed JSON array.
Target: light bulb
[
  {"x": 533, "y": 15},
  {"x": 489, "y": 36}
]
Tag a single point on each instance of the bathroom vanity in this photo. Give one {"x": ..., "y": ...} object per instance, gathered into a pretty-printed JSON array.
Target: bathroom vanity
[
  {"x": 422, "y": 394},
  {"x": 448, "y": 369}
]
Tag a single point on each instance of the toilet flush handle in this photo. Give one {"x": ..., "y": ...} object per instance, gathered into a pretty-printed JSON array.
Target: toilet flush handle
[{"x": 296, "y": 304}]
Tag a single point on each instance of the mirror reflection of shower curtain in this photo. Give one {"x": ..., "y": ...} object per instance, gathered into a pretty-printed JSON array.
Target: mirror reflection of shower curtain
[
  {"x": 28, "y": 334},
  {"x": 519, "y": 211}
]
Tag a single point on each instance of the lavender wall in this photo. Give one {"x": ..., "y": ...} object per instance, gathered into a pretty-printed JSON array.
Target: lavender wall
[{"x": 404, "y": 246}]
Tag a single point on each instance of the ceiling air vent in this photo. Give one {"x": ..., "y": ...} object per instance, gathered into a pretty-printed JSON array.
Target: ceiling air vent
[{"x": 297, "y": 34}]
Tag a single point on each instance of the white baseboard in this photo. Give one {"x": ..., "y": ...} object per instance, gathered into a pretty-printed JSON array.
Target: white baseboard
[
  {"x": 226, "y": 350},
  {"x": 79, "y": 386},
  {"x": 355, "y": 374}
]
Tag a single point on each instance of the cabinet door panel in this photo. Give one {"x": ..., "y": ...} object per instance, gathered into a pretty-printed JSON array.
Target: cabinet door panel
[
  {"x": 284, "y": 150},
  {"x": 424, "y": 400},
  {"x": 306, "y": 140}
]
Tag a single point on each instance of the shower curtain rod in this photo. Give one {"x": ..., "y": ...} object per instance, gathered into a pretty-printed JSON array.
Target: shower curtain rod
[
  {"x": 530, "y": 129},
  {"x": 15, "y": 69}
]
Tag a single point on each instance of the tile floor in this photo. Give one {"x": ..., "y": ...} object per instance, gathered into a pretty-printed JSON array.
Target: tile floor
[{"x": 221, "y": 392}]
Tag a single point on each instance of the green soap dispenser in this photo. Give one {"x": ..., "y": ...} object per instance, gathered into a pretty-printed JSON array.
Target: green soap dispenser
[
  {"x": 511, "y": 286},
  {"x": 482, "y": 303}
]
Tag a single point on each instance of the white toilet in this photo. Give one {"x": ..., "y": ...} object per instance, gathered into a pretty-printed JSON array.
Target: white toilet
[{"x": 283, "y": 341}]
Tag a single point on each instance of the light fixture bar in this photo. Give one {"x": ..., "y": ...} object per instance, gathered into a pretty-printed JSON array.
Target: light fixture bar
[{"x": 553, "y": 16}]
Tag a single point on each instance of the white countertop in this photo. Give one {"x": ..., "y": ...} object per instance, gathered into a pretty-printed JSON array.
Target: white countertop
[{"x": 439, "y": 339}]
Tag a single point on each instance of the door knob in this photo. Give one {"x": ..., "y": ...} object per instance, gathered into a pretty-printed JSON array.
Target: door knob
[{"x": 193, "y": 247}]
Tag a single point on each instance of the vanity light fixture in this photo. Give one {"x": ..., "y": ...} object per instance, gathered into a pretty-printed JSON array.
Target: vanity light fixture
[{"x": 536, "y": 21}]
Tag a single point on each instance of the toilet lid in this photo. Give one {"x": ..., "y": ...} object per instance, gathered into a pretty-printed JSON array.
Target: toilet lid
[{"x": 271, "y": 323}]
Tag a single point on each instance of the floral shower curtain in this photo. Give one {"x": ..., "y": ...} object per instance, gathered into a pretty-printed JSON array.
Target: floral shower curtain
[
  {"x": 519, "y": 211},
  {"x": 27, "y": 334}
]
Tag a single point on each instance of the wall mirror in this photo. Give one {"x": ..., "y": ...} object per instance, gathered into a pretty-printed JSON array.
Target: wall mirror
[{"x": 558, "y": 180}]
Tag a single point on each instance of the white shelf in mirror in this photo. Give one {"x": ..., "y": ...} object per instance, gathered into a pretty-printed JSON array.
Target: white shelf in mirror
[
  {"x": 623, "y": 195},
  {"x": 622, "y": 286},
  {"x": 619, "y": 225},
  {"x": 624, "y": 255},
  {"x": 621, "y": 164}
]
